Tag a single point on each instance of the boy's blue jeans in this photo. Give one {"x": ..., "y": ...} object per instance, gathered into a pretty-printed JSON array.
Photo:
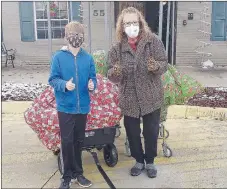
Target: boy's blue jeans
[{"x": 72, "y": 130}]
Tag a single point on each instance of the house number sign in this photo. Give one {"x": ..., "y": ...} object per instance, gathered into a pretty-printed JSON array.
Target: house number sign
[{"x": 98, "y": 13}]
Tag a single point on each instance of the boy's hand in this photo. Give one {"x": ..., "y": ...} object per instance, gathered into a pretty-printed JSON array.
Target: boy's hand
[
  {"x": 91, "y": 85},
  {"x": 70, "y": 85}
]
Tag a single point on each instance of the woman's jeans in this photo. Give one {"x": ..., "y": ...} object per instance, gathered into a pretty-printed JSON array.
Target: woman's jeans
[{"x": 150, "y": 132}]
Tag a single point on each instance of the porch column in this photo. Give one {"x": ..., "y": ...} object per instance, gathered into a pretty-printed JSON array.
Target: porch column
[
  {"x": 167, "y": 29},
  {"x": 89, "y": 26},
  {"x": 173, "y": 32},
  {"x": 49, "y": 30},
  {"x": 160, "y": 19},
  {"x": 106, "y": 25}
]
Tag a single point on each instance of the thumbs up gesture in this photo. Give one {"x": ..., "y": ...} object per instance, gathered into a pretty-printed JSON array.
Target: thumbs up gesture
[
  {"x": 91, "y": 85},
  {"x": 70, "y": 85}
]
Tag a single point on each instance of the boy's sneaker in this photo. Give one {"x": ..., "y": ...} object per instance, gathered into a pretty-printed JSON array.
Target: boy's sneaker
[
  {"x": 83, "y": 182},
  {"x": 65, "y": 184},
  {"x": 151, "y": 170},
  {"x": 137, "y": 169}
]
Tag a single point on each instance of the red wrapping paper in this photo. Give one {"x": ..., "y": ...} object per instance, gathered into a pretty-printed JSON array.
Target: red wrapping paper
[{"x": 42, "y": 115}]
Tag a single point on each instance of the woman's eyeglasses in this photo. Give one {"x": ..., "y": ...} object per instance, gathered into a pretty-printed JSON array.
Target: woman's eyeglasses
[{"x": 127, "y": 24}]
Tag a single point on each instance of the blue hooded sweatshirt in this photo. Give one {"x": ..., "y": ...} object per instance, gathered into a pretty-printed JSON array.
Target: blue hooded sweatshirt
[{"x": 81, "y": 68}]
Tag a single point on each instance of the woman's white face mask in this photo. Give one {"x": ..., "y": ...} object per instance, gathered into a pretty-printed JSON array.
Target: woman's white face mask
[{"x": 132, "y": 31}]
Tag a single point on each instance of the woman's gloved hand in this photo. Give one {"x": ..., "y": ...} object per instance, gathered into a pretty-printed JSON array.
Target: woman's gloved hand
[
  {"x": 152, "y": 65},
  {"x": 117, "y": 70}
]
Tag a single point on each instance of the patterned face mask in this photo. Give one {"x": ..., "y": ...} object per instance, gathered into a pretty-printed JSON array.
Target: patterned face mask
[{"x": 76, "y": 40}]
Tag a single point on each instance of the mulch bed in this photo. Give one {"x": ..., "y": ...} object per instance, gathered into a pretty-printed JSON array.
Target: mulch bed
[
  {"x": 21, "y": 91},
  {"x": 211, "y": 97}
]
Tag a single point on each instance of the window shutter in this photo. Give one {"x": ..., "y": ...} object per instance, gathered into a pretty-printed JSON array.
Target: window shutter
[
  {"x": 226, "y": 20},
  {"x": 75, "y": 11},
  {"x": 218, "y": 28},
  {"x": 26, "y": 21}
]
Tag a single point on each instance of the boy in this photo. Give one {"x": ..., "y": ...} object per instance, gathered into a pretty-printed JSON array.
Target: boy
[{"x": 72, "y": 76}]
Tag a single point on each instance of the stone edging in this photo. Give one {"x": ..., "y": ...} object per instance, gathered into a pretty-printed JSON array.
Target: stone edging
[
  {"x": 174, "y": 111},
  {"x": 196, "y": 112}
]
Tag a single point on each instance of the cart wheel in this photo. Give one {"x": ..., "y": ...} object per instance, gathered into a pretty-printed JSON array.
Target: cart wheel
[
  {"x": 99, "y": 148},
  {"x": 167, "y": 151},
  {"x": 60, "y": 168},
  {"x": 141, "y": 120},
  {"x": 118, "y": 132},
  {"x": 166, "y": 134},
  {"x": 56, "y": 152},
  {"x": 127, "y": 149},
  {"x": 162, "y": 130},
  {"x": 110, "y": 155}
]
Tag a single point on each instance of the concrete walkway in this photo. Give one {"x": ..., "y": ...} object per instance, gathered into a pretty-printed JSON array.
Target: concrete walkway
[
  {"x": 199, "y": 159},
  {"x": 216, "y": 77}
]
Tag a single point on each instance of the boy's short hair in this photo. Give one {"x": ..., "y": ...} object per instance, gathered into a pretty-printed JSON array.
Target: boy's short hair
[{"x": 74, "y": 27}]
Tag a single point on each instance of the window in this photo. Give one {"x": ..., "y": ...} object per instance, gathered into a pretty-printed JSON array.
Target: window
[
  {"x": 59, "y": 16},
  {"x": 219, "y": 21}
]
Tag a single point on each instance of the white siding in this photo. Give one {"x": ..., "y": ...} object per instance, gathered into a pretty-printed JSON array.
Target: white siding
[
  {"x": 186, "y": 37},
  {"x": 98, "y": 36},
  {"x": 37, "y": 52}
]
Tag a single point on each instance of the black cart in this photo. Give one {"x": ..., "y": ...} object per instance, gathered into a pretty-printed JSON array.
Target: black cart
[{"x": 99, "y": 139}]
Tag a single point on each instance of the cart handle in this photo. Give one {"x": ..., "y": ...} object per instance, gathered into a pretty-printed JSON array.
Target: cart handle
[{"x": 103, "y": 173}]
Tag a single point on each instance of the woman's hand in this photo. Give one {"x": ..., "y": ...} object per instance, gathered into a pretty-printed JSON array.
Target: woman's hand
[
  {"x": 152, "y": 64},
  {"x": 117, "y": 70}
]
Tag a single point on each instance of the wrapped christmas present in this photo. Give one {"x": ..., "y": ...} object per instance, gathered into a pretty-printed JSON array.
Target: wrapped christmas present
[
  {"x": 187, "y": 86},
  {"x": 170, "y": 88},
  {"x": 42, "y": 115},
  {"x": 178, "y": 89},
  {"x": 100, "y": 62}
]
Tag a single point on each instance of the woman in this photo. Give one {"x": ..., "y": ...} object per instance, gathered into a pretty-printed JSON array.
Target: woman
[{"x": 137, "y": 62}]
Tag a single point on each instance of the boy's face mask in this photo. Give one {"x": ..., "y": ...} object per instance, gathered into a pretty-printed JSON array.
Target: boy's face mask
[{"x": 75, "y": 40}]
